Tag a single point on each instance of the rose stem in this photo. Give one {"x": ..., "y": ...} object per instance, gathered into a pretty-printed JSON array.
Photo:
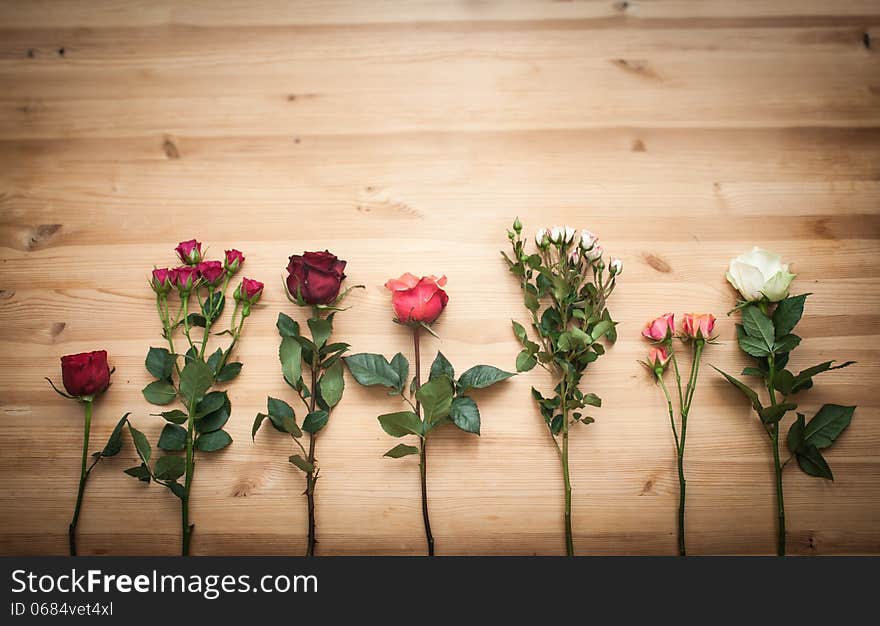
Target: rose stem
[
  {"x": 774, "y": 440},
  {"x": 566, "y": 479},
  {"x": 190, "y": 466},
  {"x": 310, "y": 477},
  {"x": 423, "y": 459},
  {"x": 83, "y": 474}
]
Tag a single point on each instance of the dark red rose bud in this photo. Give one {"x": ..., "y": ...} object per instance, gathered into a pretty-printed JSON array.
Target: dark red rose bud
[
  {"x": 162, "y": 280},
  {"x": 190, "y": 252},
  {"x": 249, "y": 291},
  {"x": 86, "y": 374},
  {"x": 233, "y": 261},
  {"x": 185, "y": 278},
  {"x": 211, "y": 271},
  {"x": 316, "y": 277}
]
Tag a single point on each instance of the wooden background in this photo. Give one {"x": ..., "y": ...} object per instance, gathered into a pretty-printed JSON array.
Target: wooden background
[{"x": 405, "y": 136}]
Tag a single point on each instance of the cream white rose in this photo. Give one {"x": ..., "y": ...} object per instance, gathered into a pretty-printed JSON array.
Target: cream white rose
[{"x": 759, "y": 274}]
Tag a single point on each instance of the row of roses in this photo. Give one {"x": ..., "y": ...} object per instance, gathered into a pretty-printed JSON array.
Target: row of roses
[{"x": 567, "y": 272}]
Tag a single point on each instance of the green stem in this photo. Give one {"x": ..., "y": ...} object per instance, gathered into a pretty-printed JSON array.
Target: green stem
[
  {"x": 187, "y": 485},
  {"x": 208, "y": 320},
  {"x": 566, "y": 477},
  {"x": 311, "y": 478},
  {"x": 83, "y": 475},
  {"x": 777, "y": 466},
  {"x": 423, "y": 448},
  {"x": 679, "y": 455}
]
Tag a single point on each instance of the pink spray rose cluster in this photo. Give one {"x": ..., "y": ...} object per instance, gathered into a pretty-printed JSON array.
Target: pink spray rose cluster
[
  {"x": 661, "y": 331},
  {"x": 197, "y": 272}
]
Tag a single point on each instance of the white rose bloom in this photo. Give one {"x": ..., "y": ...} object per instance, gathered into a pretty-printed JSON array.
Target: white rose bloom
[
  {"x": 541, "y": 237},
  {"x": 760, "y": 273},
  {"x": 556, "y": 234},
  {"x": 594, "y": 254},
  {"x": 569, "y": 234},
  {"x": 588, "y": 239},
  {"x": 616, "y": 267}
]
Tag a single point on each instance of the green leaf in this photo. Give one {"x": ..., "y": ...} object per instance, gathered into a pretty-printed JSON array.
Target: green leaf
[
  {"x": 372, "y": 369},
  {"x": 177, "y": 489},
  {"x": 400, "y": 365},
  {"x": 401, "y": 450},
  {"x": 214, "y": 360},
  {"x": 811, "y": 461},
  {"x": 279, "y": 408},
  {"x": 175, "y": 417},
  {"x": 287, "y": 326},
  {"x": 601, "y": 329},
  {"x": 210, "y": 403},
  {"x": 465, "y": 414},
  {"x": 436, "y": 398},
  {"x": 195, "y": 379},
  {"x": 745, "y": 389},
  {"x": 215, "y": 419},
  {"x": 525, "y": 361},
  {"x": 401, "y": 424},
  {"x": 758, "y": 326},
  {"x": 215, "y": 440},
  {"x": 194, "y": 319},
  {"x": 170, "y": 467},
  {"x": 160, "y": 363},
  {"x": 282, "y": 417},
  {"x": 753, "y": 371},
  {"x": 786, "y": 344},
  {"x": 482, "y": 376},
  {"x": 591, "y": 399},
  {"x": 290, "y": 355},
  {"x": 302, "y": 464},
  {"x": 519, "y": 331},
  {"x": 140, "y": 443},
  {"x": 612, "y": 334},
  {"x": 321, "y": 329},
  {"x": 228, "y": 372},
  {"x": 772, "y": 414},
  {"x": 531, "y": 301},
  {"x": 753, "y": 346},
  {"x": 827, "y": 424},
  {"x": 315, "y": 421},
  {"x": 258, "y": 421},
  {"x": 332, "y": 384},
  {"x": 141, "y": 472},
  {"x": 114, "y": 443},
  {"x": 804, "y": 379},
  {"x": 788, "y": 313},
  {"x": 173, "y": 438},
  {"x": 795, "y": 439},
  {"x": 212, "y": 307},
  {"x": 441, "y": 367},
  {"x": 159, "y": 392}
]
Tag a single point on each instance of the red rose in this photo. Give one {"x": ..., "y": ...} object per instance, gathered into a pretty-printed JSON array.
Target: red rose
[
  {"x": 417, "y": 299},
  {"x": 185, "y": 277},
  {"x": 249, "y": 291},
  {"x": 233, "y": 260},
  {"x": 85, "y": 374},
  {"x": 315, "y": 276},
  {"x": 162, "y": 280},
  {"x": 211, "y": 271},
  {"x": 190, "y": 252}
]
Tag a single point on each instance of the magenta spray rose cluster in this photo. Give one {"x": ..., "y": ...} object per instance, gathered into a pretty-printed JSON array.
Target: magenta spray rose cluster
[
  {"x": 190, "y": 301},
  {"x": 85, "y": 376}
]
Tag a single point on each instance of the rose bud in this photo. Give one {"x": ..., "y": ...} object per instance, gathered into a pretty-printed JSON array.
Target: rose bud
[
  {"x": 594, "y": 254},
  {"x": 557, "y": 234},
  {"x": 85, "y": 375},
  {"x": 660, "y": 329},
  {"x": 569, "y": 234},
  {"x": 316, "y": 277},
  {"x": 588, "y": 240},
  {"x": 698, "y": 325},
  {"x": 615, "y": 267},
  {"x": 162, "y": 280},
  {"x": 190, "y": 252},
  {"x": 417, "y": 300},
  {"x": 760, "y": 274},
  {"x": 211, "y": 272},
  {"x": 541, "y": 238},
  {"x": 185, "y": 278},
  {"x": 574, "y": 257},
  {"x": 517, "y": 226},
  {"x": 658, "y": 359},
  {"x": 232, "y": 262},
  {"x": 248, "y": 291}
]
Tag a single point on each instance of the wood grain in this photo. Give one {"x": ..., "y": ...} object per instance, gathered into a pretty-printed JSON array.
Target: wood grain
[{"x": 405, "y": 136}]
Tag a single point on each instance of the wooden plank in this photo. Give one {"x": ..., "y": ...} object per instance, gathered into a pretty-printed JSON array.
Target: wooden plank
[{"x": 405, "y": 137}]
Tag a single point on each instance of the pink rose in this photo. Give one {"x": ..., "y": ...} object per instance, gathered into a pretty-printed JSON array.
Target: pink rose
[
  {"x": 658, "y": 358},
  {"x": 660, "y": 329},
  {"x": 698, "y": 325},
  {"x": 249, "y": 291},
  {"x": 190, "y": 252},
  {"x": 185, "y": 278},
  {"x": 162, "y": 280},
  {"x": 233, "y": 261},
  {"x": 211, "y": 271},
  {"x": 419, "y": 300}
]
